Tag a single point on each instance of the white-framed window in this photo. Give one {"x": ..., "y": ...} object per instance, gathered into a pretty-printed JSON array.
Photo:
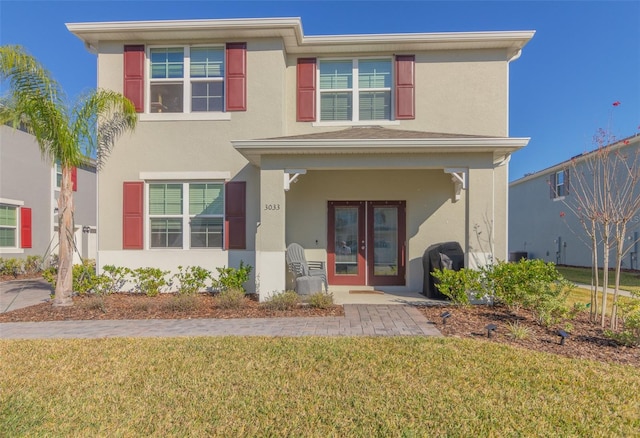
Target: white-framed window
[
  {"x": 560, "y": 184},
  {"x": 8, "y": 226},
  {"x": 355, "y": 89},
  {"x": 186, "y": 79},
  {"x": 186, "y": 214}
]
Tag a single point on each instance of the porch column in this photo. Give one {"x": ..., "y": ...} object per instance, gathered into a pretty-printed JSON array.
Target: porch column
[
  {"x": 480, "y": 218},
  {"x": 270, "y": 239}
]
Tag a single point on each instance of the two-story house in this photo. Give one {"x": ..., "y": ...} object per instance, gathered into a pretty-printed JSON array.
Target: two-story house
[
  {"x": 543, "y": 223},
  {"x": 29, "y": 190},
  {"x": 253, "y": 135}
]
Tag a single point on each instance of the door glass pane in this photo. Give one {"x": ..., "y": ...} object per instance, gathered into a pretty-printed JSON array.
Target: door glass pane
[
  {"x": 385, "y": 241},
  {"x": 346, "y": 244}
]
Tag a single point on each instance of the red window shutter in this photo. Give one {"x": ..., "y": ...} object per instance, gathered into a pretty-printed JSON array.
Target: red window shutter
[
  {"x": 306, "y": 93},
  {"x": 405, "y": 87},
  {"x": 74, "y": 178},
  {"x": 132, "y": 214},
  {"x": 236, "y": 77},
  {"x": 235, "y": 216},
  {"x": 134, "y": 75},
  {"x": 25, "y": 227}
]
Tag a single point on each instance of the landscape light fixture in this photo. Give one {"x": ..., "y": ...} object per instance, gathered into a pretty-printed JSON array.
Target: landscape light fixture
[
  {"x": 444, "y": 316},
  {"x": 491, "y": 328},
  {"x": 563, "y": 335}
]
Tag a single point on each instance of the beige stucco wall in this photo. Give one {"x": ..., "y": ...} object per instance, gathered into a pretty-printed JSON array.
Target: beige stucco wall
[
  {"x": 456, "y": 92},
  {"x": 181, "y": 146},
  {"x": 459, "y": 92}
]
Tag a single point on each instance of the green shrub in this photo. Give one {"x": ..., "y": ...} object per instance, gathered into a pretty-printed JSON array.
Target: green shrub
[
  {"x": 321, "y": 300},
  {"x": 285, "y": 300},
  {"x": 85, "y": 279},
  {"x": 33, "y": 264},
  {"x": 149, "y": 281},
  {"x": 50, "y": 275},
  {"x": 192, "y": 279},
  {"x": 12, "y": 266},
  {"x": 629, "y": 335},
  {"x": 458, "y": 285},
  {"x": 232, "y": 278},
  {"x": 231, "y": 299},
  {"x": 112, "y": 279}
]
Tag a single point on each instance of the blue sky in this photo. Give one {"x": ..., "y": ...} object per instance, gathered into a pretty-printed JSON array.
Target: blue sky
[{"x": 585, "y": 54}]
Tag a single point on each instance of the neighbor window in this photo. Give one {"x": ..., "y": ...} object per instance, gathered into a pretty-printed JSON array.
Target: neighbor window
[
  {"x": 8, "y": 226},
  {"x": 355, "y": 90},
  {"x": 559, "y": 184},
  {"x": 58, "y": 175},
  {"x": 186, "y": 79},
  {"x": 197, "y": 208}
]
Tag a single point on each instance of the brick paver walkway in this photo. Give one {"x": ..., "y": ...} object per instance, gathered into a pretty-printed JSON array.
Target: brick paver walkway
[{"x": 358, "y": 320}]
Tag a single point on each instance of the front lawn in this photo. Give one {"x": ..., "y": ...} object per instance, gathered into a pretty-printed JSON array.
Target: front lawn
[{"x": 409, "y": 386}]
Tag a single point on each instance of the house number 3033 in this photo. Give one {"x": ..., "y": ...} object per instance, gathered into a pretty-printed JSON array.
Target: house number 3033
[{"x": 272, "y": 207}]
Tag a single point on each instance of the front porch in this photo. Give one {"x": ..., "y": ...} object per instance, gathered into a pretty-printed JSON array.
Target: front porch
[{"x": 436, "y": 188}]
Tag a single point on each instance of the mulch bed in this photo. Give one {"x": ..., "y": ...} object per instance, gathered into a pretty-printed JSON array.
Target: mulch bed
[
  {"x": 163, "y": 306},
  {"x": 586, "y": 340}
]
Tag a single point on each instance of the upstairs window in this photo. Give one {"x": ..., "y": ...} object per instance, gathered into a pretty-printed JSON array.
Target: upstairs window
[
  {"x": 186, "y": 79},
  {"x": 355, "y": 90}
]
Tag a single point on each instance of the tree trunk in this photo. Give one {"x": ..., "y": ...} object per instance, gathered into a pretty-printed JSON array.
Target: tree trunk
[
  {"x": 605, "y": 278},
  {"x": 621, "y": 230},
  {"x": 64, "y": 284},
  {"x": 595, "y": 276}
]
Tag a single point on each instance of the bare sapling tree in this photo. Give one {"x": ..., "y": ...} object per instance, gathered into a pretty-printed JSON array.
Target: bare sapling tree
[
  {"x": 605, "y": 199},
  {"x": 625, "y": 200}
]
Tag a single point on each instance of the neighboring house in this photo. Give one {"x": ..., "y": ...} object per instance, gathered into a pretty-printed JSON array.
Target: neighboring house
[
  {"x": 29, "y": 189},
  {"x": 541, "y": 223},
  {"x": 253, "y": 135}
]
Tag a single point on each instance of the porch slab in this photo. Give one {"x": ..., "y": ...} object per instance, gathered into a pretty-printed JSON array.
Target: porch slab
[{"x": 342, "y": 296}]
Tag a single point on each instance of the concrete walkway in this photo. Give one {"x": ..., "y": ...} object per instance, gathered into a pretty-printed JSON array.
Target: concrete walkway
[
  {"x": 359, "y": 320},
  {"x": 23, "y": 293}
]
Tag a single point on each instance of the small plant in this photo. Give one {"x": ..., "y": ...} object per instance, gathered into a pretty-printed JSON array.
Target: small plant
[
  {"x": 629, "y": 335},
  {"x": 181, "y": 303},
  {"x": 191, "y": 279},
  {"x": 231, "y": 299},
  {"x": 518, "y": 331},
  {"x": 150, "y": 281},
  {"x": 321, "y": 300},
  {"x": 232, "y": 278},
  {"x": 95, "y": 303},
  {"x": 285, "y": 300},
  {"x": 112, "y": 279},
  {"x": 33, "y": 264}
]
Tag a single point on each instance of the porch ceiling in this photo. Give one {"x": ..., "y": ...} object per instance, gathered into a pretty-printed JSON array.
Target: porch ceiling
[{"x": 377, "y": 141}]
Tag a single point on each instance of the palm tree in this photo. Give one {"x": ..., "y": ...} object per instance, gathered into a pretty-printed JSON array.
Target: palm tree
[{"x": 65, "y": 134}]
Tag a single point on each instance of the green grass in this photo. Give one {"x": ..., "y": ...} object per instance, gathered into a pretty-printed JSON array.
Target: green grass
[
  {"x": 409, "y": 386},
  {"x": 629, "y": 281},
  {"x": 581, "y": 295}
]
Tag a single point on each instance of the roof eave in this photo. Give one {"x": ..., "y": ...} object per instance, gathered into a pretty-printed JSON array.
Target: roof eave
[{"x": 253, "y": 150}]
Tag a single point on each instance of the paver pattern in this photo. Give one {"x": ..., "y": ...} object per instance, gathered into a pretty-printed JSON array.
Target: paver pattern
[{"x": 358, "y": 320}]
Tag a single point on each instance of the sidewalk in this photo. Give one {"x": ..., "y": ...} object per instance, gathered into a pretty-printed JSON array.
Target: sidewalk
[
  {"x": 358, "y": 320},
  {"x": 23, "y": 293}
]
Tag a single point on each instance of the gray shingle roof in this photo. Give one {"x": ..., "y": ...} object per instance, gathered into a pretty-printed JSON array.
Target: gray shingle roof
[{"x": 373, "y": 133}]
